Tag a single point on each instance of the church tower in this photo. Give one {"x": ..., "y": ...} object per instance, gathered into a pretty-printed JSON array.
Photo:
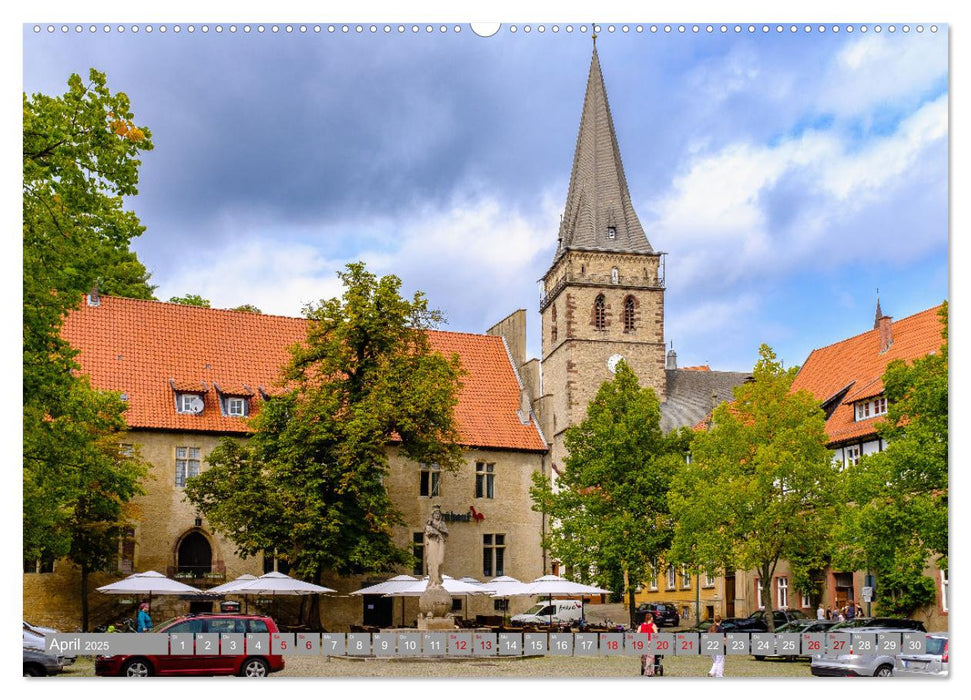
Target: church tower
[{"x": 603, "y": 295}]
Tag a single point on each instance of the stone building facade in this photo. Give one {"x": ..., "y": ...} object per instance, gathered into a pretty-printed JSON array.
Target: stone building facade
[{"x": 193, "y": 376}]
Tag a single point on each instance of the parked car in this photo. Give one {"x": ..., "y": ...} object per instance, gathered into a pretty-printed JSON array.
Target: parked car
[
  {"x": 664, "y": 614},
  {"x": 857, "y": 664},
  {"x": 895, "y": 622},
  {"x": 933, "y": 662},
  {"x": 756, "y": 622},
  {"x": 557, "y": 612},
  {"x": 40, "y": 663},
  {"x": 799, "y": 627},
  {"x": 243, "y": 664},
  {"x": 36, "y": 637}
]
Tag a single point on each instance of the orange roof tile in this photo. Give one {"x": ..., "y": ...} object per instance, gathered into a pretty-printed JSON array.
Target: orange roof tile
[
  {"x": 698, "y": 368},
  {"x": 143, "y": 348},
  {"x": 857, "y": 363}
]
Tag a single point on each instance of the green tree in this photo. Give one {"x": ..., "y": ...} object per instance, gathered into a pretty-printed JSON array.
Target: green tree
[
  {"x": 80, "y": 159},
  {"x": 761, "y": 486},
  {"x": 248, "y": 308},
  {"x": 609, "y": 507},
  {"x": 308, "y": 484},
  {"x": 191, "y": 300},
  {"x": 897, "y": 520}
]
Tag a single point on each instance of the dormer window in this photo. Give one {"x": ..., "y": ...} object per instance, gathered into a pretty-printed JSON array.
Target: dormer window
[
  {"x": 611, "y": 232},
  {"x": 235, "y": 406},
  {"x": 189, "y": 403},
  {"x": 234, "y": 400},
  {"x": 871, "y": 408}
]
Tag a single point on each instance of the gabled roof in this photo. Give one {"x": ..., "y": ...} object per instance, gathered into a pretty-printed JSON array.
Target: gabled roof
[
  {"x": 693, "y": 392},
  {"x": 855, "y": 365},
  {"x": 598, "y": 197},
  {"x": 148, "y": 350}
]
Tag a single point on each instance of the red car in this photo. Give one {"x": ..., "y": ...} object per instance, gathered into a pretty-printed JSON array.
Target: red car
[{"x": 216, "y": 664}]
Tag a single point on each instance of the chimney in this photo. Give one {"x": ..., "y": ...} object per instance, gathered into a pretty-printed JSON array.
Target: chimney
[
  {"x": 94, "y": 297},
  {"x": 885, "y": 325},
  {"x": 672, "y": 360}
]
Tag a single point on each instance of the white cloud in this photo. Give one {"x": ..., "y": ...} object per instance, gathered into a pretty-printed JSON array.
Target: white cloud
[
  {"x": 877, "y": 70},
  {"x": 716, "y": 216}
]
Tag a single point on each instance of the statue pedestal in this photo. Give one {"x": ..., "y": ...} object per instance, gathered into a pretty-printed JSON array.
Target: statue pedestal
[
  {"x": 436, "y": 624},
  {"x": 435, "y": 604}
]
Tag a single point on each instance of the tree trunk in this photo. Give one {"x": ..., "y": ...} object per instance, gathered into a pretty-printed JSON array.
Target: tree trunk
[
  {"x": 766, "y": 584},
  {"x": 84, "y": 598},
  {"x": 631, "y": 607},
  {"x": 312, "y": 620}
]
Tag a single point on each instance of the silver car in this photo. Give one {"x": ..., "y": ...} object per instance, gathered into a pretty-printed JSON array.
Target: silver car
[
  {"x": 933, "y": 662},
  {"x": 40, "y": 663},
  {"x": 858, "y": 664}
]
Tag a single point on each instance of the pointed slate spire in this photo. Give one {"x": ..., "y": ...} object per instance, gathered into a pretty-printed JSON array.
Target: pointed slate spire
[
  {"x": 599, "y": 214},
  {"x": 879, "y": 314}
]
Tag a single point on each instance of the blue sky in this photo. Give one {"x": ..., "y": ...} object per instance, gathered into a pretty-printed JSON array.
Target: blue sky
[{"x": 787, "y": 175}]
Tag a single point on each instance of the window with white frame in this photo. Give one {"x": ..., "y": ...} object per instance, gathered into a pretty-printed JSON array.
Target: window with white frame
[
  {"x": 671, "y": 584},
  {"x": 189, "y": 403},
  {"x": 804, "y": 602},
  {"x": 853, "y": 455},
  {"x": 709, "y": 580},
  {"x": 236, "y": 406},
  {"x": 652, "y": 583},
  {"x": 186, "y": 464},
  {"x": 782, "y": 592},
  {"x": 944, "y": 584},
  {"x": 758, "y": 594},
  {"x": 685, "y": 577},
  {"x": 869, "y": 409}
]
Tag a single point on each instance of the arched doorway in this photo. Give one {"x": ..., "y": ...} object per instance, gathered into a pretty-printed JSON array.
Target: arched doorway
[{"x": 195, "y": 554}]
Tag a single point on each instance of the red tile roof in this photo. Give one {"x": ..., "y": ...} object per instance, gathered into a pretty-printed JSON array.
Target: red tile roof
[
  {"x": 857, "y": 363},
  {"x": 140, "y": 348}
]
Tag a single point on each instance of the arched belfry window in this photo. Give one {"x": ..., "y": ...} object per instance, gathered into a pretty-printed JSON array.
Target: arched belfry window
[
  {"x": 599, "y": 313},
  {"x": 553, "y": 323},
  {"x": 628, "y": 314}
]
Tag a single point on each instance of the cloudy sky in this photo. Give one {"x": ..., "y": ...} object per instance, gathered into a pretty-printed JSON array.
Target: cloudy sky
[{"x": 787, "y": 175}]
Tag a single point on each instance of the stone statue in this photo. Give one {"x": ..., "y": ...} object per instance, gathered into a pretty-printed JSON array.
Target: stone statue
[
  {"x": 435, "y": 535},
  {"x": 435, "y": 603}
]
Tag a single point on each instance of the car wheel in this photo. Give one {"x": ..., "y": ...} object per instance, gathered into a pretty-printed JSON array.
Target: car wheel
[
  {"x": 33, "y": 671},
  {"x": 254, "y": 668},
  {"x": 136, "y": 668},
  {"x": 884, "y": 671},
  {"x": 760, "y": 658}
]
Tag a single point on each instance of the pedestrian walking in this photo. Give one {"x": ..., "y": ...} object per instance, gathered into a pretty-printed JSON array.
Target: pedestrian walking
[
  {"x": 144, "y": 619},
  {"x": 820, "y": 612},
  {"x": 648, "y": 660},
  {"x": 717, "y": 660}
]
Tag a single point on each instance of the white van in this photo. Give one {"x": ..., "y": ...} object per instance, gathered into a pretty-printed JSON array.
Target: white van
[{"x": 559, "y": 612}]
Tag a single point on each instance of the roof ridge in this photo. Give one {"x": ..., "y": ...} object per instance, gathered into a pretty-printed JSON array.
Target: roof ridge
[{"x": 872, "y": 330}]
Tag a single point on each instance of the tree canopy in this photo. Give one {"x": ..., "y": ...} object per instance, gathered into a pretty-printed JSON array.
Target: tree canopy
[
  {"x": 309, "y": 483},
  {"x": 897, "y": 518},
  {"x": 609, "y": 507},
  {"x": 80, "y": 159},
  {"x": 761, "y": 485},
  {"x": 191, "y": 300}
]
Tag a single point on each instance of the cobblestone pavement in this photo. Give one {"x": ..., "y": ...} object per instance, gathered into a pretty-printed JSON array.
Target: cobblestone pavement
[{"x": 536, "y": 667}]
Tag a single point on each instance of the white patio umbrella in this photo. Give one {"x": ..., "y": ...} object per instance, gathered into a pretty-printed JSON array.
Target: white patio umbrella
[
  {"x": 557, "y": 585},
  {"x": 275, "y": 583},
  {"x": 453, "y": 586},
  {"x": 505, "y": 587},
  {"x": 232, "y": 586},
  {"x": 148, "y": 583},
  {"x": 395, "y": 583}
]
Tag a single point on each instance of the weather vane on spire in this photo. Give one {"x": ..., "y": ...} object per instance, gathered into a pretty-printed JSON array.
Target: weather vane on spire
[{"x": 594, "y": 35}]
